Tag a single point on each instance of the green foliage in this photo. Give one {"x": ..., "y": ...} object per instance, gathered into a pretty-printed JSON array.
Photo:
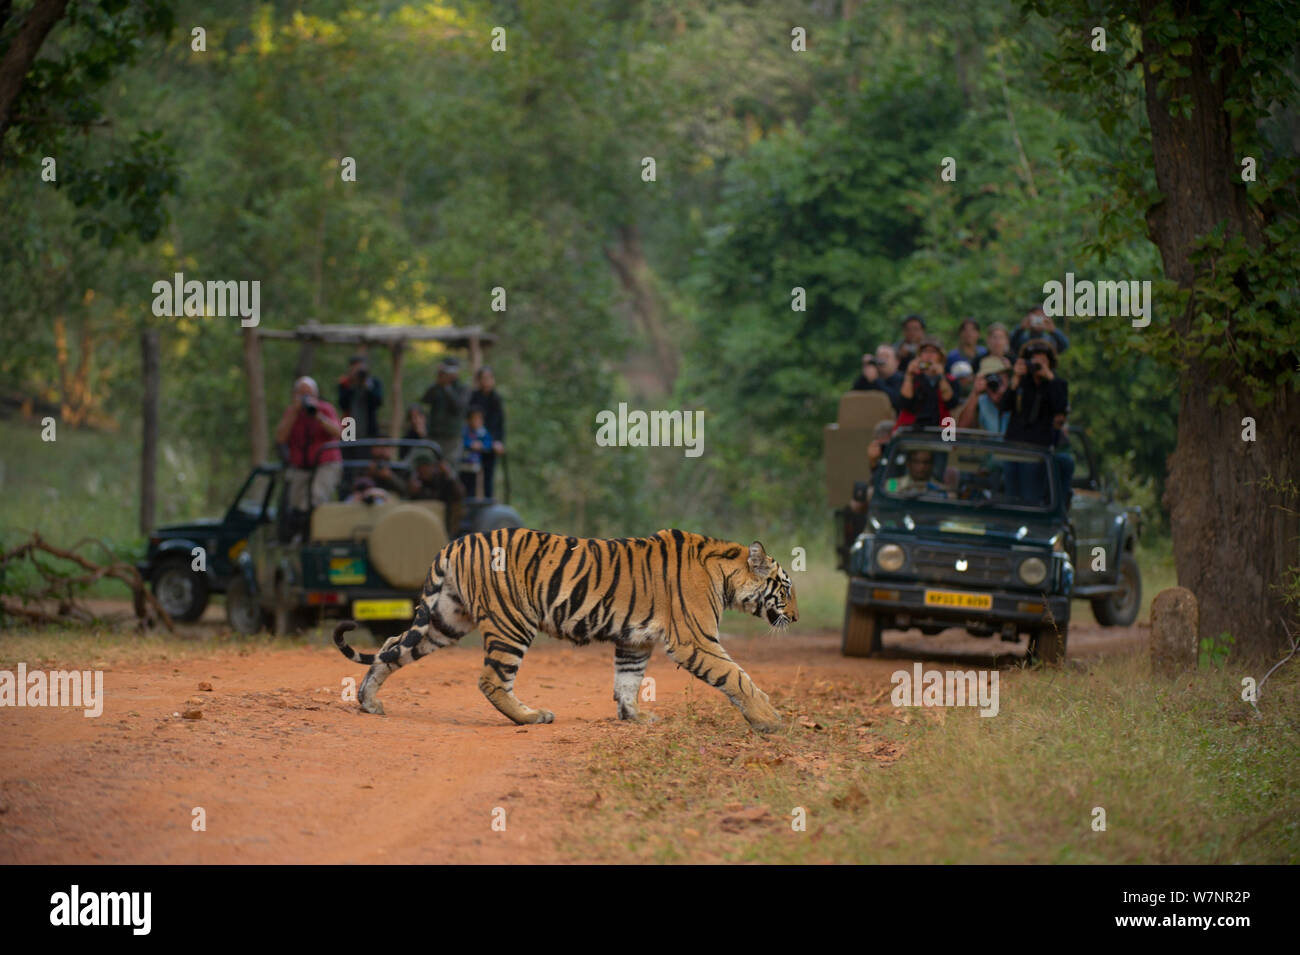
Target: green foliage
[
  {"x": 120, "y": 188},
  {"x": 1237, "y": 319},
  {"x": 477, "y": 169},
  {"x": 1214, "y": 652}
]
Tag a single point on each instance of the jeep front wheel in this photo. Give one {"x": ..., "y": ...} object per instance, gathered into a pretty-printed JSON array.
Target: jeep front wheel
[
  {"x": 1120, "y": 608},
  {"x": 862, "y": 631},
  {"x": 180, "y": 591}
]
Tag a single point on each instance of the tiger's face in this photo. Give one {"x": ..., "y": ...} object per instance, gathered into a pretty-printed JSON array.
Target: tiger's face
[{"x": 767, "y": 593}]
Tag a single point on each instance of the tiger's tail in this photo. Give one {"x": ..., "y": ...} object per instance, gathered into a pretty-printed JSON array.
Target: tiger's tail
[
  {"x": 412, "y": 636},
  {"x": 343, "y": 627}
]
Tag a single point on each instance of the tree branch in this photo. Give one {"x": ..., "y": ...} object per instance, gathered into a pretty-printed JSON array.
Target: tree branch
[{"x": 18, "y": 59}]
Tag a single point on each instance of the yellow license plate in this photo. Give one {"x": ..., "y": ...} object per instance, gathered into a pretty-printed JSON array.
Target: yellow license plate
[
  {"x": 381, "y": 609},
  {"x": 947, "y": 598}
]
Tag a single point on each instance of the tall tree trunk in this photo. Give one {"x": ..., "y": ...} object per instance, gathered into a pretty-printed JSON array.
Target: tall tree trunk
[
  {"x": 652, "y": 369},
  {"x": 1232, "y": 541},
  {"x": 149, "y": 373},
  {"x": 21, "y": 53}
]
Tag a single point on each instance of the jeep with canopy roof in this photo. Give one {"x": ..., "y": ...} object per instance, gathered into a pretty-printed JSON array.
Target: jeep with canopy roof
[{"x": 365, "y": 557}]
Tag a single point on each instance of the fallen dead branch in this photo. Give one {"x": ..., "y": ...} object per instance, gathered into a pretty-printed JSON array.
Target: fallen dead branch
[{"x": 54, "y": 598}]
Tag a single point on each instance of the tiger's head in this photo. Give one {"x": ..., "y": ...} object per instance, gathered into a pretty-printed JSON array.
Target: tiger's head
[{"x": 765, "y": 591}]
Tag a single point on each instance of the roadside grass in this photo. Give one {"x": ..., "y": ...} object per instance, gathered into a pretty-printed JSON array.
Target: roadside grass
[
  {"x": 1183, "y": 770},
  {"x": 86, "y": 484},
  {"x": 62, "y": 647}
]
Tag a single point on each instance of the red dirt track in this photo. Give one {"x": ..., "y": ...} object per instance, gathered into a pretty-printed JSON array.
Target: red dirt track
[{"x": 289, "y": 773}]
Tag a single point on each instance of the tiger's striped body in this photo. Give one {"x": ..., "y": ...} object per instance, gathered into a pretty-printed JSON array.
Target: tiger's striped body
[{"x": 634, "y": 592}]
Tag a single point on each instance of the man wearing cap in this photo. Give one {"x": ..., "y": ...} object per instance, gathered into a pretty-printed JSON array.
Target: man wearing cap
[
  {"x": 306, "y": 425},
  {"x": 448, "y": 400},
  {"x": 987, "y": 390},
  {"x": 433, "y": 480},
  {"x": 360, "y": 395},
  {"x": 961, "y": 374}
]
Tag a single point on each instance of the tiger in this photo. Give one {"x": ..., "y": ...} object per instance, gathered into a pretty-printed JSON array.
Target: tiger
[{"x": 513, "y": 583}]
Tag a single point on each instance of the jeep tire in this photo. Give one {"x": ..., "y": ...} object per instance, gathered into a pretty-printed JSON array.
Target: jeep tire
[
  {"x": 1120, "y": 608},
  {"x": 862, "y": 631},
  {"x": 180, "y": 591}
]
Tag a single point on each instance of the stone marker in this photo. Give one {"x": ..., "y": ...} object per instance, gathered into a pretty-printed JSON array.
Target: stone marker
[{"x": 1175, "y": 622}]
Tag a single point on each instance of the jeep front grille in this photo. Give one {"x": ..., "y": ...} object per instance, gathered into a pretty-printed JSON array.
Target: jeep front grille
[{"x": 940, "y": 563}]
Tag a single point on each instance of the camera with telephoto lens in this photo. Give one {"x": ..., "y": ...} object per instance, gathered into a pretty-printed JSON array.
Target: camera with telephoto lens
[
  {"x": 993, "y": 381},
  {"x": 308, "y": 404}
]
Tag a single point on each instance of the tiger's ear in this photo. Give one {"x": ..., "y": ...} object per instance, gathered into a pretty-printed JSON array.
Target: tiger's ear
[{"x": 758, "y": 559}]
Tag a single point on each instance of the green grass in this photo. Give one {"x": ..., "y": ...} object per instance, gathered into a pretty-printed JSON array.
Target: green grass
[
  {"x": 86, "y": 484},
  {"x": 101, "y": 645},
  {"x": 1185, "y": 773}
]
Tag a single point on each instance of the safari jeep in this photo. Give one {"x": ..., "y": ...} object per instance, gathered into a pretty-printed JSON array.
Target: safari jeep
[
  {"x": 365, "y": 560},
  {"x": 952, "y": 534},
  {"x": 171, "y": 559}
]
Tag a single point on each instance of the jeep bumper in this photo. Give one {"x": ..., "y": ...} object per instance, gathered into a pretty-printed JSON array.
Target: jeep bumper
[{"x": 908, "y": 599}]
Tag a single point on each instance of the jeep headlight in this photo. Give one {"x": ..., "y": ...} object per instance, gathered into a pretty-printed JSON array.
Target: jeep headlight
[
  {"x": 1058, "y": 544},
  {"x": 1033, "y": 571},
  {"x": 890, "y": 558}
]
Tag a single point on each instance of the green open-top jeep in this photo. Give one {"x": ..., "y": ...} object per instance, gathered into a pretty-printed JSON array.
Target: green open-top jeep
[
  {"x": 363, "y": 557},
  {"x": 982, "y": 533}
]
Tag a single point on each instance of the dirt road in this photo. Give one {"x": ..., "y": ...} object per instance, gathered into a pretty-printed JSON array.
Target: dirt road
[{"x": 285, "y": 771}]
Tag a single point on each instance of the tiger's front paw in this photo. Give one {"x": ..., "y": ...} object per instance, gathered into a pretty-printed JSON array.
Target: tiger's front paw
[
  {"x": 539, "y": 716},
  {"x": 372, "y": 706},
  {"x": 638, "y": 716},
  {"x": 764, "y": 718}
]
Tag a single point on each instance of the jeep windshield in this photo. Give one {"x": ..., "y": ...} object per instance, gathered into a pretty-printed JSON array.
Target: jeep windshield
[{"x": 976, "y": 475}]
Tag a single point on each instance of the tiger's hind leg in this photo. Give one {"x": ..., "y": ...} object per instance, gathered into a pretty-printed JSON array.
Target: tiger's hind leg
[
  {"x": 704, "y": 658},
  {"x": 504, "y": 648},
  {"x": 629, "y": 673},
  {"x": 440, "y": 620}
]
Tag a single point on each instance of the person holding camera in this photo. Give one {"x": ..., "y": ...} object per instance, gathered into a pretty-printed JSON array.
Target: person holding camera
[
  {"x": 360, "y": 395},
  {"x": 1038, "y": 400},
  {"x": 1037, "y": 324},
  {"x": 880, "y": 373},
  {"x": 926, "y": 393},
  {"x": 307, "y": 423},
  {"x": 990, "y": 384}
]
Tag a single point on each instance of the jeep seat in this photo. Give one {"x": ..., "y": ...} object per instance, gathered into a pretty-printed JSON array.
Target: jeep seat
[{"x": 845, "y": 442}]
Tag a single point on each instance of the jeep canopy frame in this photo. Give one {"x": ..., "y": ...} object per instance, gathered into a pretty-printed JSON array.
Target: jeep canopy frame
[{"x": 393, "y": 337}]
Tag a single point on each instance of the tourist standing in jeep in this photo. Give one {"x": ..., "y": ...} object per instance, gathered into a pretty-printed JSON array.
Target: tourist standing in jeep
[
  {"x": 306, "y": 425},
  {"x": 448, "y": 400}
]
